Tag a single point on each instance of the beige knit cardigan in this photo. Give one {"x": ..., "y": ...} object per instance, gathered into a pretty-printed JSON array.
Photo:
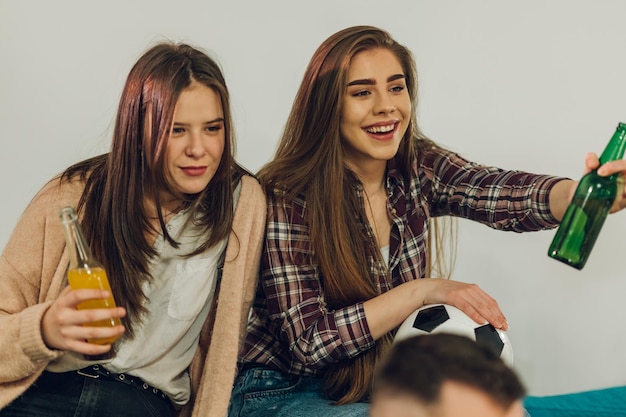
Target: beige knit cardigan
[{"x": 32, "y": 274}]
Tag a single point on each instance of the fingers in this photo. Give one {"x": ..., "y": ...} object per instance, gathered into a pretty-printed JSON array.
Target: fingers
[
  {"x": 470, "y": 299},
  {"x": 77, "y": 336},
  {"x": 64, "y": 327},
  {"x": 616, "y": 167},
  {"x": 591, "y": 162},
  {"x": 613, "y": 167},
  {"x": 73, "y": 298},
  {"x": 481, "y": 307}
]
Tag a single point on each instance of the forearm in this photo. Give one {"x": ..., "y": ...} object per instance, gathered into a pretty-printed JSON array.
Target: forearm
[
  {"x": 387, "y": 311},
  {"x": 22, "y": 350},
  {"x": 560, "y": 197}
]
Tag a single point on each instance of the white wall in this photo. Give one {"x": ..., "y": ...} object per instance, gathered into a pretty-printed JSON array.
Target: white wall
[{"x": 529, "y": 85}]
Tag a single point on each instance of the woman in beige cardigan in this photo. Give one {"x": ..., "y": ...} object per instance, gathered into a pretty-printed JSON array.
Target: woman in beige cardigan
[{"x": 178, "y": 226}]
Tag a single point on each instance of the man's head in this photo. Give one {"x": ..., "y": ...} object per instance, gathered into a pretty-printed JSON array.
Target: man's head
[{"x": 445, "y": 375}]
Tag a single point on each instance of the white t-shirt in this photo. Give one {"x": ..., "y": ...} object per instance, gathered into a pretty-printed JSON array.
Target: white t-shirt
[
  {"x": 178, "y": 299},
  {"x": 385, "y": 252}
]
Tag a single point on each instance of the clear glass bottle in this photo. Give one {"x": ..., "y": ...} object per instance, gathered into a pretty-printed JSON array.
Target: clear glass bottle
[
  {"x": 86, "y": 272},
  {"x": 588, "y": 209}
]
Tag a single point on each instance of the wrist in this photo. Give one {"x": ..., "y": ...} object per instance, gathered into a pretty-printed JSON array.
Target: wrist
[{"x": 560, "y": 197}]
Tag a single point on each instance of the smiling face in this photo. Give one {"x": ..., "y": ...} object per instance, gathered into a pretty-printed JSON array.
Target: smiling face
[
  {"x": 376, "y": 109},
  {"x": 196, "y": 142}
]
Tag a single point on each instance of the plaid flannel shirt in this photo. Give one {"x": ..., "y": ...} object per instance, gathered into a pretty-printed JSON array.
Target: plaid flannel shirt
[{"x": 290, "y": 327}]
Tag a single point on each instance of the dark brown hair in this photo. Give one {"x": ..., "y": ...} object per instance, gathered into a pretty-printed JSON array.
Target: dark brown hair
[
  {"x": 309, "y": 162},
  {"x": 117, "y": 183},
  {"x": 420, "y": 365}
]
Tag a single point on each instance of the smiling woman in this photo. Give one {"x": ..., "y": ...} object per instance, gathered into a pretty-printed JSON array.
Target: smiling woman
[
  {"x": 174, "y": 220},
  {"x": 354, "y": 192},
  {"x": 376, "y": 111}
]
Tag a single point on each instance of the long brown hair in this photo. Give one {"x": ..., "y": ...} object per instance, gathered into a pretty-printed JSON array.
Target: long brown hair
[
  {"x": 115, "y": 220},
  {"x": 309, "y": 161}
]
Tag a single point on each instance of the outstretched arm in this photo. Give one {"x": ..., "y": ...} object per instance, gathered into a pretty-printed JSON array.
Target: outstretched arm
[{"x": 561, "y": 194}]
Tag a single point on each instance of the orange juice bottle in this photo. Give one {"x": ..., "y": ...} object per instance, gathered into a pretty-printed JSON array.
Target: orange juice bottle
[{"x": 86, "y": 272}]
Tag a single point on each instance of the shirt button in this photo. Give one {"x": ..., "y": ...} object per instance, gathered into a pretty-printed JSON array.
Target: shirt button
[
  {"x": 393, "y": 211},
  {"x": 169, "y": 227}
]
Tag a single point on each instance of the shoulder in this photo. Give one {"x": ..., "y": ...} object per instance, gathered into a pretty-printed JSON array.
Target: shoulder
[
  {"x": 248, "y": 225},
  {"x": 251, "y": 196},
  {"x": 251, "y": 204},
  {"x": 250, "y": 187},
  {"x": 39, "y": 229},
  {"x": 56, "y": 194}
]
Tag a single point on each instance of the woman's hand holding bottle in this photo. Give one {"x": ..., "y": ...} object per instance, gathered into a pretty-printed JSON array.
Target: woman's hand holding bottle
[{"x": 63, "y": 325}]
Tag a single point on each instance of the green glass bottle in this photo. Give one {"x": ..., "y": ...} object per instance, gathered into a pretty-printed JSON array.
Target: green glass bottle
[{"x": 588, "y": 209}]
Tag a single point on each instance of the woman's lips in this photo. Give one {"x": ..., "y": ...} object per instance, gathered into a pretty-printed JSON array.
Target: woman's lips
[
  {"x": 194, "y": 171},
  {"x": 379, "y": 131}
]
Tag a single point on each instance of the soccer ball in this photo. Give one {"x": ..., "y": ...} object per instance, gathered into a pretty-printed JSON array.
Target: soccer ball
[{"x": 443, "y": 318}]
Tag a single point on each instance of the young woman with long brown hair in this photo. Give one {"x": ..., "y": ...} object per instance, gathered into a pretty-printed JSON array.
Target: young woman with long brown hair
[
  {"x": 351, "y": 191},
  {"x": 178, "y": 226}
]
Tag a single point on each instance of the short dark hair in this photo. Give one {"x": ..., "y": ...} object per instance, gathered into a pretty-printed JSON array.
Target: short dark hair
[{"x": 419, "y": 366}]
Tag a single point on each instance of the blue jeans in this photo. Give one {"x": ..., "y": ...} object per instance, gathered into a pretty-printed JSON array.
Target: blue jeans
[
  {"x": 261, "y": 392},
  {"x": 70, "y": 394}
]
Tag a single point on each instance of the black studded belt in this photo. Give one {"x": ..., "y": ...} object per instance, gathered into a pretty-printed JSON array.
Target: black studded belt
[{"x": 97, "y": 371}]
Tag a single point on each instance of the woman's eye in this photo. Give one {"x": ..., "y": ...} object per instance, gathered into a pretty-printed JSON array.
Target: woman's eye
[
  {"x": 397, "y": 89},
  {"x": 177, "y": 130},
  {"x": 214, "y": 128},
  {"x": 361, "y": 93}
]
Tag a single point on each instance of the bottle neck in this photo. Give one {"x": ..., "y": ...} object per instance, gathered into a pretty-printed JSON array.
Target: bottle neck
[
  {"x": 77, "y": 247},
  {"x": 616, "y": 147}
]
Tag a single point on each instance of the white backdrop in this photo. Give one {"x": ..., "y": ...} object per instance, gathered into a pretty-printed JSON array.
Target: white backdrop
[{"x": 528, "y": 85}]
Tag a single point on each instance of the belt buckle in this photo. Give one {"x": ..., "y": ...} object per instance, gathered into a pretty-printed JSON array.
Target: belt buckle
[{"x": 80, "y": 372}]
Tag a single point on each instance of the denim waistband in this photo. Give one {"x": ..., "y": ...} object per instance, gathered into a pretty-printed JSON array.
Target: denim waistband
[
  {"x": 242, "y": 367},
  {"x": 97, "y": 371}
]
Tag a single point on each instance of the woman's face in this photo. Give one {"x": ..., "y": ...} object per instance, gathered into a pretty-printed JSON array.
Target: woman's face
[
  {"x": 376, "y": 109},
  {"x": 196, "y": 141}
]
